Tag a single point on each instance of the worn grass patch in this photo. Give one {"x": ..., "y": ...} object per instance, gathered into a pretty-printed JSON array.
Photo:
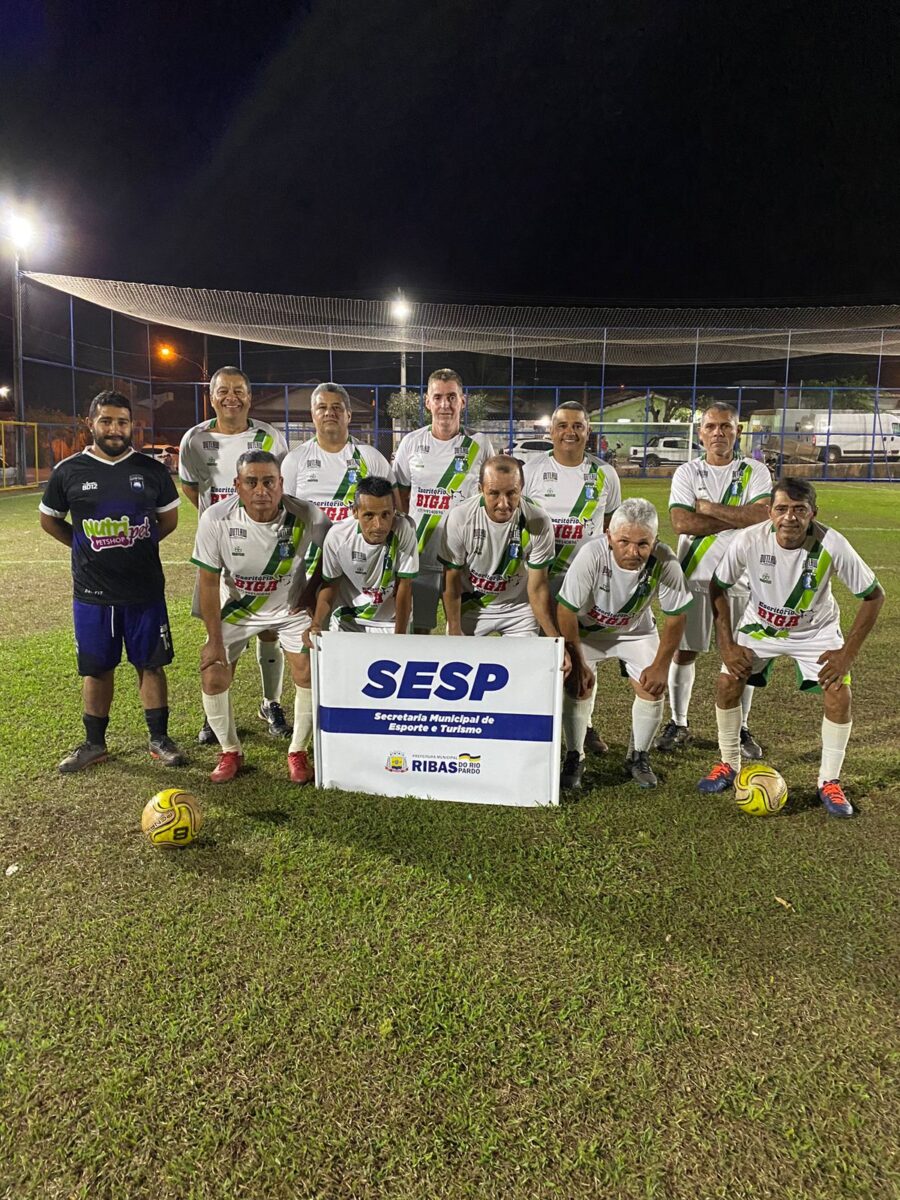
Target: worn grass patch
[{"x": 340, "y": 995}]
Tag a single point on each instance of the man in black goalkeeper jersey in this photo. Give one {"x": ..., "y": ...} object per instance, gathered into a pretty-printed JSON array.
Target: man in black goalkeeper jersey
[{"x": 122, "y": 504}]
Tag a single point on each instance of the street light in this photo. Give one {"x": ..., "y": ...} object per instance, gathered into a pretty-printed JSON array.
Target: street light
[
  {"x": 21, "y": 232},
  {"x": 169, "y": 354},
  {"x": 401, "y": 311}
]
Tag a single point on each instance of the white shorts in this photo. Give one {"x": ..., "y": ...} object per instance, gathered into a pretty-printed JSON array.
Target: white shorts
[
  {"x": 518, "y": 621},
  {"x": 290, "y": 632},
  {"x": 635, "y": 653},
  {"x": 426, "y": 592},
  {"x": 699, "y": 623},
  {"x": 803, "y": 648},
  {"x": 347, "y": 624}
]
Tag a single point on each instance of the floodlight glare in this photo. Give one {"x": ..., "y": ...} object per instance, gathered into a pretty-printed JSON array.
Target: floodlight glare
[
  {"x": 4, "y": 392},
  {"x": 21, "y": 231},
  {"x": 166, "y": 352},
  {"x": 400, "y": 310}
]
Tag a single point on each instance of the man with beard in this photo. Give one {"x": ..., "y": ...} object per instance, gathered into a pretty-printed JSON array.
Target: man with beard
[{"x": 122, "y": 505}]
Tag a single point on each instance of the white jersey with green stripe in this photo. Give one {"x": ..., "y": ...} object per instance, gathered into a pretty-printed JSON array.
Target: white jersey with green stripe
[
  {"x": 263, "y": 565},
  {"x": 790, "y": 590},
  {"x": 607, "y": 598},
  {"x": 742, "y": 481},
  {"x": 208, "y": 457},
  {"x": 367, "y": 575},
  {"x": 577, "y": 499},
  {"x": 494, "y": 554},
  {"x": 330, "y": 480},
  {"x": 439, "y": 475}
]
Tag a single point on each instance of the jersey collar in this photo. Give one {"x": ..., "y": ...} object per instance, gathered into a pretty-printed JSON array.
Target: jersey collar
[{"x": 109, "y": 462}]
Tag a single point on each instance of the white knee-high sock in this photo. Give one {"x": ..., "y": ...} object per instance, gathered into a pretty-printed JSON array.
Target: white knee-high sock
[
  {"x": 746, "y": 701},
  {"x": 681, "y": 687},
  {"x": 834, "y": 746},
  {"x": 220, "y": 715},
  {"x": 645, "y": 718},
  {"x": 729, "y": 723},
  {"x": 271, "y": 669},
  {"x": 576, "y": 716},
  {"x": 303, "y": 719}
]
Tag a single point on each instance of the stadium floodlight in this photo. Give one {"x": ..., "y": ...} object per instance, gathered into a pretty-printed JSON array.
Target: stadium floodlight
[
  {"x": 4, "y": 392},
  {"x": 20, "y": 230},
  {"x": 401, "y": 310}
]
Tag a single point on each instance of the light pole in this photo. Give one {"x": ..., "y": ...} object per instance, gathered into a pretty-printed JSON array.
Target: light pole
[
  {"x": 21, "y": 233},
  {"x": 168, "y": 354},
  {"x": 400, "y": 311}
]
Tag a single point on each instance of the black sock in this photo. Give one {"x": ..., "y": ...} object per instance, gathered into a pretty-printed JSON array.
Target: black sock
[
  {"x": 95, "y": 728},
  {"x": 157, "y": 722}
]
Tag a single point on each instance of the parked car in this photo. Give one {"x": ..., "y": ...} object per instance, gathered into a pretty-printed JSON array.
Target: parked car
[
  {"x": 529, "y": 447},
  {"x": 164, "y": 453},
  {"x": 659, "y": 450},
  {"x": 856, "y": 436}
]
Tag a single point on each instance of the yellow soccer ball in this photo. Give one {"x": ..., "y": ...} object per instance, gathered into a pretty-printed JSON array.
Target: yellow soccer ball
[
  {"x": 171, "y": 818},
  {"x": 760, "y": 790}
]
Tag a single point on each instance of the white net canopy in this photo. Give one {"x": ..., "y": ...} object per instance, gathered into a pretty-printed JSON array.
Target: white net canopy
[{"x": 617, "y": 336}]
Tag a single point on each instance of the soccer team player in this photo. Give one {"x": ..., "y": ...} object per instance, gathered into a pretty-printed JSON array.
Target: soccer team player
[
  {"x": 711, "y": 498},
  {"x": 789, "y": 562},
  {"x": 256, "y": 555},
  {"x": 122, "y": 505},
  {"x": 580, "y": 492},
  {"x": 436, "y": 468},
  {"x": 291, "y": 544},
  {"x": 207, "y": 465}
]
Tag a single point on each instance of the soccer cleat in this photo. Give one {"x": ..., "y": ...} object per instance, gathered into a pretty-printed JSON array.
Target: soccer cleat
[
  {"x": 272, "y": 712},
  {"x": 720, "y": 779},
  {"x": 674, "y": 737},
  {"x": 206, "y": 737},
  {"x": 572, "y": 771},
  {"x": 88, "y": 754},
  {"x": 594, "y": 743},
  {"x": 641, "y": 771},
  {"x": 750, "y": 747},
  {"x": 167, "y": 752},
  {"x": 836, "y": 803},
  {"x": 230, "y": 762},
  {"x": 300, "y": 769}
]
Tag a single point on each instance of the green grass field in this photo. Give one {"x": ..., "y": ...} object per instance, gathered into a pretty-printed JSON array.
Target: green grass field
[{"x": 335, "y": 995}]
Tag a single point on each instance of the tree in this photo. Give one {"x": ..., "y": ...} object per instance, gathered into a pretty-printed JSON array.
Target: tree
[{"x": 862, "y": 400}]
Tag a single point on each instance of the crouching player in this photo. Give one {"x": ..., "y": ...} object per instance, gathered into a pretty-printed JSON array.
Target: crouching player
[
  {"x": 368, "y": 563},
  {"x": 790, "y": 562},
  {"x": 258, "y": 556},
  {"x": 488, "y": 541},
  {"x": 604, "y": 612}
]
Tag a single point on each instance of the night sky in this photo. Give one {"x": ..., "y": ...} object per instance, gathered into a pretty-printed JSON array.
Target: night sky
[{"x": 462, "y": 150}]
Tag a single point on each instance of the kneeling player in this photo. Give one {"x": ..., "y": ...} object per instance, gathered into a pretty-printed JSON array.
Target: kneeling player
[
  {"x": 260, "y": 548},
  {"x": 790, "y": 562},
  {"x": 368, "y": 563},
  {"x": 488, "y": 541},
  {"x": 604, "y": 612}
]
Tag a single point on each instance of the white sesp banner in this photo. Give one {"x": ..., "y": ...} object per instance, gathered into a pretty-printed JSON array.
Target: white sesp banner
[{"x": 446, "y": 718}]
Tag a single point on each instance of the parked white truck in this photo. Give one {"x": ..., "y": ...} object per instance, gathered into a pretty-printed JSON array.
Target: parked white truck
[{"x": 663, "y": 449}]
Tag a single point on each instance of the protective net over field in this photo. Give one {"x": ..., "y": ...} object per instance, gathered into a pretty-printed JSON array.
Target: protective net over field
[{"x": 616, "y": 336}]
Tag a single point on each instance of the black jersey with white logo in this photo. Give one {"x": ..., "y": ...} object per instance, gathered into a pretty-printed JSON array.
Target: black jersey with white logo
[{"x": 114, "y": 506}]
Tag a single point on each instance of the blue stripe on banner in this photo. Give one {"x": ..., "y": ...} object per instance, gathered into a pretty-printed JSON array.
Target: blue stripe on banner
[{"x": 504, "y": 727}]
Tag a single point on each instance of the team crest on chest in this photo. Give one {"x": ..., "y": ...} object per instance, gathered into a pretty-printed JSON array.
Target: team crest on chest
[
  {"x": 137, "y": 482},
  {"x": 478, "y": 539}
]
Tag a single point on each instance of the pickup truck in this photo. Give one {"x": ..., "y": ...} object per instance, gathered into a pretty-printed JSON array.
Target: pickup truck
[{"x": 660, "y": 450}]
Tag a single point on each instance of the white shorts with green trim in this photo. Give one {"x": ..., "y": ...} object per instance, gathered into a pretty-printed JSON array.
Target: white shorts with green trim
[
  {"x": 803, "y": 648},
  {"x": 290, "y": 630},
  {"x": 699, "y": 623},
  {"x": 516, "y": 621},
  {"x": 634, "y": 653}
]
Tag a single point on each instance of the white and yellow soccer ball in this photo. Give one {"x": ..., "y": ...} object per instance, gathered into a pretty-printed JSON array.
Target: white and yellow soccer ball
[
  {"x": 171, "y": 818},
  {"x": 760, "y": 790}
]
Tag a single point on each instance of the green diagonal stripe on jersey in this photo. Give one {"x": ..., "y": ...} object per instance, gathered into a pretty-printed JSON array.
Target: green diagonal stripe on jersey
[
  {"x": 583, "y": 509},
  {"x": 801, "y": 597},
  {"x": 648, "y": 580},
  {"x": 263, "y": 440},
  {"x": 368, "y": 612},
  {"x": 236, "y": 611},
  {"x": 451, "y": 481},
  {"x": 509, "y": 566},
  {"x": 700, "y": 545},
  {"x": 347, "y": 490}
]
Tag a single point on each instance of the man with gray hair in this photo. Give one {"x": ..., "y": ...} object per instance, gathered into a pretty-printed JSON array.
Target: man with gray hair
[
  {"x": 327, "y": 468},
  {"x": 604, "y": 612}
]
